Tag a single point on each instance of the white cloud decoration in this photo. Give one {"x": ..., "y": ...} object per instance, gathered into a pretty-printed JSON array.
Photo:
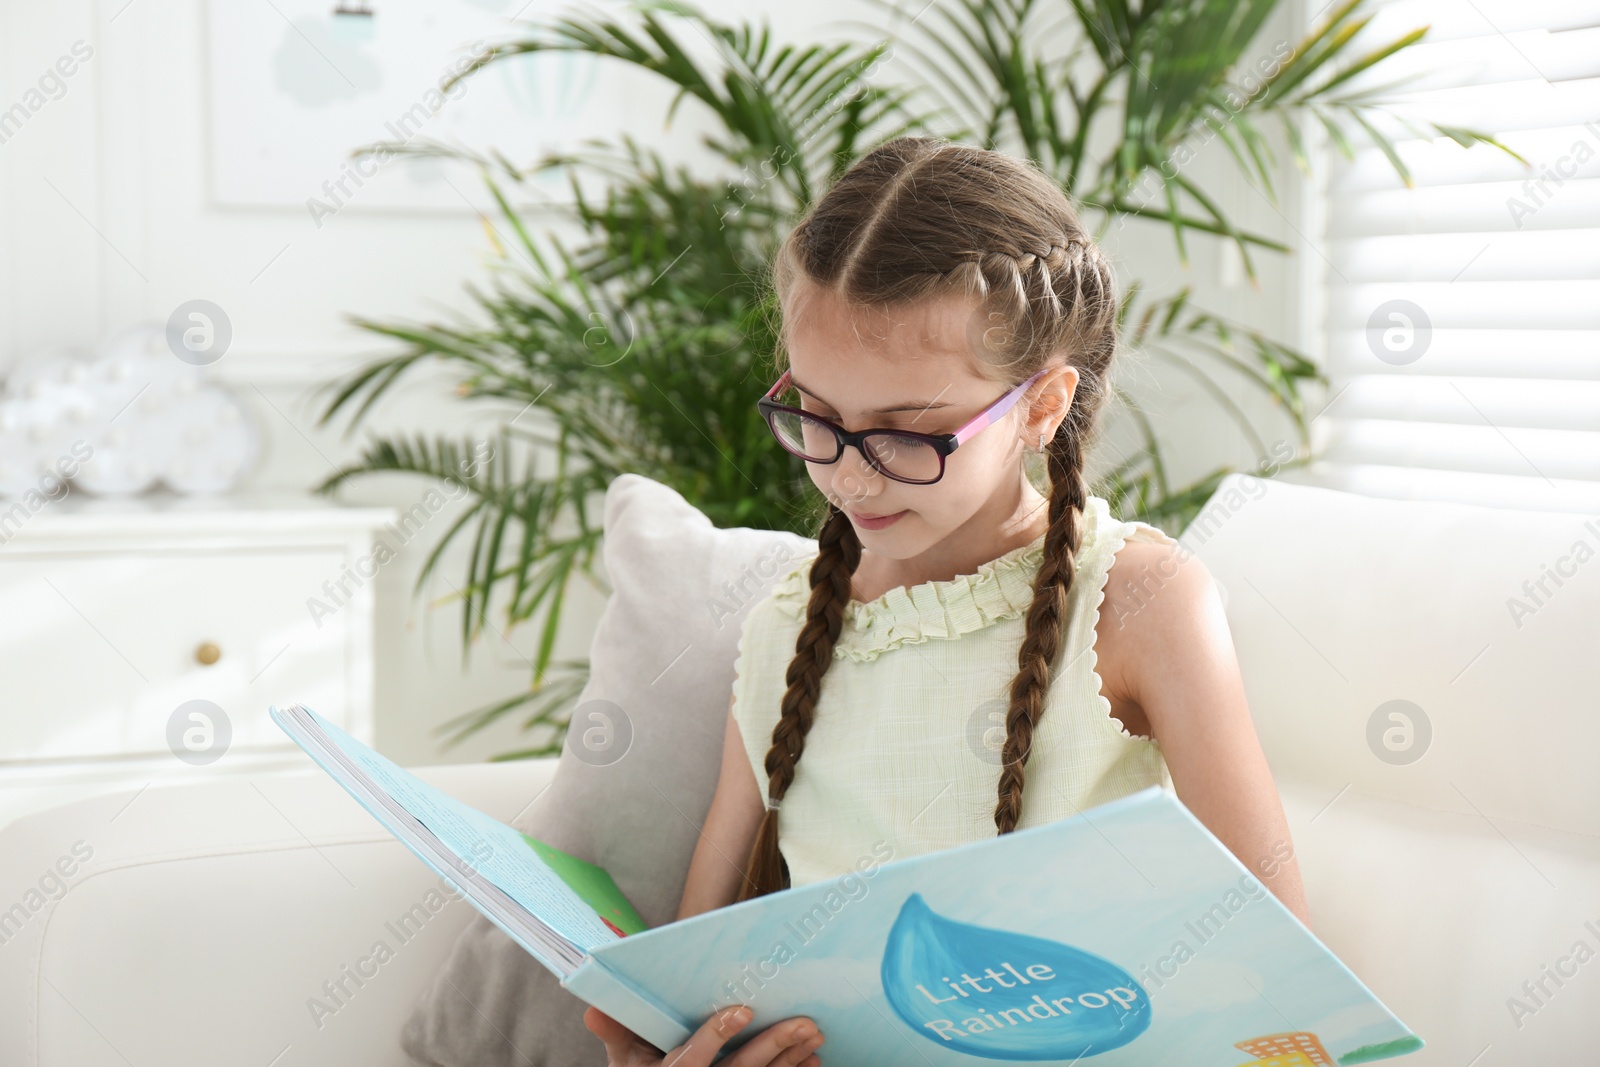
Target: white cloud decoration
[{"x": 121, "y": 422}]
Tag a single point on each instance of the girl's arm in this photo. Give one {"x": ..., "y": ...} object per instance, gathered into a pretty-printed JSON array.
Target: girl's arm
[
  {"x": 717, "y": 866},
  {"x": 1175, "y": 659},
  {"x": 713, "y": 881}
]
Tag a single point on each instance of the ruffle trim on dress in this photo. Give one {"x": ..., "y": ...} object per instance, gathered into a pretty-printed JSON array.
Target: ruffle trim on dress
[{"x": 1000, "y": 589}]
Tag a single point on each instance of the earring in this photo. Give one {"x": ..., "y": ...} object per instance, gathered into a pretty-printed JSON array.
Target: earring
[{"x": 1041, "y": 442}]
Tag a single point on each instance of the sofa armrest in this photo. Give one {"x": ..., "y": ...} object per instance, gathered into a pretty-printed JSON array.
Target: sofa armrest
[{"x": 252, "y": 920}]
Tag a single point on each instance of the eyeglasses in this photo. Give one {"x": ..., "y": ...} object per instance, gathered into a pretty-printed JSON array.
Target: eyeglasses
[{"x": 917, "y": 458}]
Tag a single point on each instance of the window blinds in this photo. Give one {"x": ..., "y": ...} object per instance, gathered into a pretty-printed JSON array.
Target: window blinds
[{"x": 1462, "y": 315}]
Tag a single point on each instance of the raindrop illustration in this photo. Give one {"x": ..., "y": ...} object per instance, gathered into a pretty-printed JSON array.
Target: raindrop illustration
[{"x": 1002, "y": 995}]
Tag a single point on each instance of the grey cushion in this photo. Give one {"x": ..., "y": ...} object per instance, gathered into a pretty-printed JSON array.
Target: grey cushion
[{"x": 636, "y": 775}]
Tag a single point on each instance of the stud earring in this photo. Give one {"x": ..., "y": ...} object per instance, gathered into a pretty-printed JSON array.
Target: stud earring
[{"x": 1041, "y": 442}]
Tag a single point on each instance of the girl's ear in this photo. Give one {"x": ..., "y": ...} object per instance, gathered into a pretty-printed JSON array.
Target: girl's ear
[{"x": 1050, "y": 399}]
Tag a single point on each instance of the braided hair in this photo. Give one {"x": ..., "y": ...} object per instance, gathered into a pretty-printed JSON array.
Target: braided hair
[{"x": 922, "y": 217}]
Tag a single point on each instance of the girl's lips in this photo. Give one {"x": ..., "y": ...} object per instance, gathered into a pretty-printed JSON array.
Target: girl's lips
[{"x": 875, "y": 522}]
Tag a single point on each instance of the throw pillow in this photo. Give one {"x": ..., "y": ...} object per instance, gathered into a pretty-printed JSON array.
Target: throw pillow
[{"x": 636, "y": 776}]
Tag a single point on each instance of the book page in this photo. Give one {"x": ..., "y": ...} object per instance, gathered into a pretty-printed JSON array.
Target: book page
[{"x": 495, "y": 850}]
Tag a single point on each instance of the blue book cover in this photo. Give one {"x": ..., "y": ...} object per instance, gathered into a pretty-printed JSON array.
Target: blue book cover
[{"x": 1127, "y": 935}]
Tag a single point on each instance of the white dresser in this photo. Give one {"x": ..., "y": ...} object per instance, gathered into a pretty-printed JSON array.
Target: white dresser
[{"x": 143, "y": 640}]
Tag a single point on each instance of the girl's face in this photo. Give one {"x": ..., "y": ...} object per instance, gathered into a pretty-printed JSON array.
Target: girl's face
[{"x": 916, "y": 370}]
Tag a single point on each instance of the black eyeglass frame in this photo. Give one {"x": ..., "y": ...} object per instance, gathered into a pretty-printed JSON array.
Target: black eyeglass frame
[{"x": 942, "y": 443}]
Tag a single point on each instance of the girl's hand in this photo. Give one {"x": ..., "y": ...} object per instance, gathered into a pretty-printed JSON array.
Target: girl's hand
[{"x": 789, "y": 1043}]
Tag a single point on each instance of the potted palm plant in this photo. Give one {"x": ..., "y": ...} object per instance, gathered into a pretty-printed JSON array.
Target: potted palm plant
[{"x": 640, "y": 347}]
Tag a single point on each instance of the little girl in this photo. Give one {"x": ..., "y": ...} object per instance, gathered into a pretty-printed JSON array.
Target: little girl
[{"x": 964, "y": 655}]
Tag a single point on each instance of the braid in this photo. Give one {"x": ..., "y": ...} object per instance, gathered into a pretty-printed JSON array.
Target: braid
[
  {"x": 1046, "y": 620},
  {"x": 1075, "y": 263},
  {"x": 1049, "y": 259},
  {"x": 838, "y": 553},
  {"x": 1072, "y": 261},
  {"x": 1094, "y": 304}
]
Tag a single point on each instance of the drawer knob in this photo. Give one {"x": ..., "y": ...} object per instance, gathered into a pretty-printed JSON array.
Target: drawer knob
[{"x": 207, "y": 653}]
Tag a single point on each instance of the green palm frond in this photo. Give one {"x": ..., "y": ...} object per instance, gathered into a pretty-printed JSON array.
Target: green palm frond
[
  {"x": 1170, "y": 75},
  {"x": 776, "y": 104}
]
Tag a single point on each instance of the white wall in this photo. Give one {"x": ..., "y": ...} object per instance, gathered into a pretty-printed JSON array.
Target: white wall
[{"x": 106, "y": 219}]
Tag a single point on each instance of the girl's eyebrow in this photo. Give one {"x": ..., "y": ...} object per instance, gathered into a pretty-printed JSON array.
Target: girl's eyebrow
[{"x": 922, "y": 406}]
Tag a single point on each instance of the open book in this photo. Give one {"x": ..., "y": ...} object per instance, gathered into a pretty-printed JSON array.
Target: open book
[{"x": 1127, "y": 934}]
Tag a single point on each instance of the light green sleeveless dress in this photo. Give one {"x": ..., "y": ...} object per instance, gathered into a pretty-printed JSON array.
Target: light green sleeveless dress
[{"x": 903, "y": 757}]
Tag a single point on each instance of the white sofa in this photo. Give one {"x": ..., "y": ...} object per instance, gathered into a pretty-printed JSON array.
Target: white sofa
[
  {"x": 1456, "y": 885},
  {"x": 210, "y": 916}
]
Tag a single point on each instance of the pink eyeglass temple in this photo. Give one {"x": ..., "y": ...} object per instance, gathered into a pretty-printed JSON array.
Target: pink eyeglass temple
[{"x": 981, "y": 421}]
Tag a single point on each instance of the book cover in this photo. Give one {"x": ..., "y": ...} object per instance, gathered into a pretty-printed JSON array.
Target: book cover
[{"x": 1127, "y": 935}]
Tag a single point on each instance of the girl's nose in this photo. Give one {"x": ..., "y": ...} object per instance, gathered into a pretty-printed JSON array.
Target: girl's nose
[{"x": 855, "y": 479}]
